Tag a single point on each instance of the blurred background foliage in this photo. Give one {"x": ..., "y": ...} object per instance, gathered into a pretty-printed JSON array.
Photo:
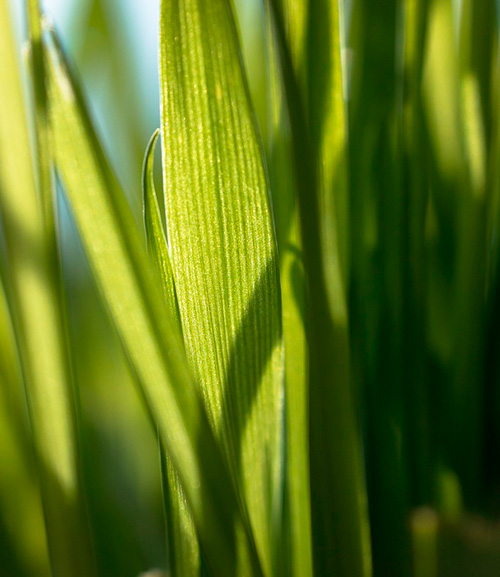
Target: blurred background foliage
[{"x": 450, "y": 339}]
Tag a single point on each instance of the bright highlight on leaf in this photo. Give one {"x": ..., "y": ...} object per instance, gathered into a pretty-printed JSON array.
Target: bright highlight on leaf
[
  {"x": 223, "y": 250},
  {"x": 182, "y": 540},
  {"x": 147, "y": 331}
]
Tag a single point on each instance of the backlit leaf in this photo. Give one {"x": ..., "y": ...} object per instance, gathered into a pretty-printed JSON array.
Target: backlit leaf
[
  {"x": 182, "y": 541},
  {"x": 32, "y": 284},
  {"x": 148, "y": 333},
  {"x": 223, "y": 250}
]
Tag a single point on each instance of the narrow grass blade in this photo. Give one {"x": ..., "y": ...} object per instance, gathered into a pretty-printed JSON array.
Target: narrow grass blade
[
  {"x": 491, "y": 369},
  {"x": 346, "y": 522},
  {"x": 294, "y": 16},
  {"x": 297, "y": 547},
  {"x": 416, "y": 197},
  {"x": 147, "y": 332},
  {"x": 340, "y": 537},
  {"x": 33, "y": 288},
  {"x": 182, "y": 541},
  {"x": 223, "y": 250},
  {"x": 43, "y": 161},
  {"x": 441, "y": 106},
  {"x": 20, "y": 500},
  {"x": 378, "y": 237},
  {"x": 460, "y": 149},
  {"x": 155, "y": 233},
  {"x": 476, "y": 56}
]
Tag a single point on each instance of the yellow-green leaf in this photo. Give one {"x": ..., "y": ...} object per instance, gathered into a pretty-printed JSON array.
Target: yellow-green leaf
[
  {"x": 182, "y": 540},
  {"x": 32, "y": 284},
  {"x": 297, "y": 546},
  {"x": 317, "y": 119},
  {"x": 223, "y": 249},
  {"x": 148, "y": 333}
]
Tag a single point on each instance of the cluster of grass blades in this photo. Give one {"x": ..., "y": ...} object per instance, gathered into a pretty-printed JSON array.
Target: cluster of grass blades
[{"x": 312, "y": 321}]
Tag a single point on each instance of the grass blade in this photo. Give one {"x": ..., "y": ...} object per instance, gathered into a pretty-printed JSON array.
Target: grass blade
[
  {"x": 223, "y": 249},
  {"x": 416, "y": 197},
  {"x": 20, "y": 502},
  {"x": 297, "y": 537},
  {"x": 476, "y": 55},
  {"x": 155, "y": 233},
  {"x": 182, "y": 541},
  {"x": 43, "y": 154},
  {"x": 148, "y": 334},
  {"x": 33, "y": 288},
  {"x": 377, "y": 283},
  {"x": 338, "y": 499}
]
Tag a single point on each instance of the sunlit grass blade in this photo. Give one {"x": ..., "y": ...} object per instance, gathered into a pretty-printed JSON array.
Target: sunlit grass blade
[
  {"x": 455, "y": 121},
  {"x": 155, "y": 233},
  {"x": 294, "y": 16},
  {"x": 441, "y": 106},
  {"x": 43, "y": 159},
  {"x": 346, "y": 523},
  {"x": 223, "y": 250},
  {"x": 297, "y": 538},
  {"x": 340, "y": 526},
  {"x": 33, "y": 290},
  {"x": 147, "y": 331},
  {"x": 20, "y": 501},
  {"x": 182, "y": 541}
]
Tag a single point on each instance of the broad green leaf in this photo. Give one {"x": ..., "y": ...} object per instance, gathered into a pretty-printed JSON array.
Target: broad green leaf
[
  {"x": 182, "y": 541},
  {"x": 297, "y": 547},
  {"x": 33, "y": 290},
  {"x": 147, "y": 331},
  {"x": 340, "y": 528},
  {"x": 223, "y": 250}
]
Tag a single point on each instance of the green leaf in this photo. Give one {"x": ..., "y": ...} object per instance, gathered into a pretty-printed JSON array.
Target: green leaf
[
  {"x": 223, "y": 250},
  {"x": 297, "y": 553},
  {"x": 20, "y": 500},
  {"x": 147, "y": 332},
  {"x": 155, "y": 234},
  {"x": 339, "y": 512},
  {"x": 182, "y": 541},
  {"x": 416, "y": 188},
  {"x": 378, "y": 242},
  {"x": 42, "y": 149},
  {"x": 32, "y": 284}
]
